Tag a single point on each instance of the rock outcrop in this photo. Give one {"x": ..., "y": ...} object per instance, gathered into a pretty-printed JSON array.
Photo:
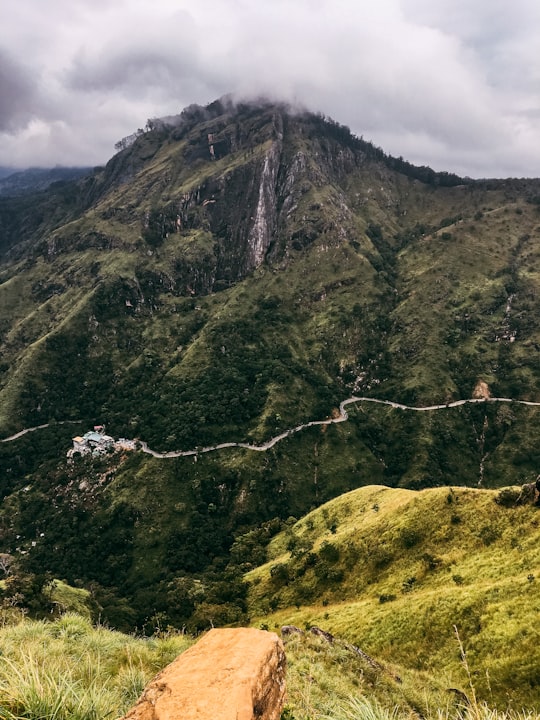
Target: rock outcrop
[
  {"x": 481, "y": 390},
  {"x": 230, "y": 674}
]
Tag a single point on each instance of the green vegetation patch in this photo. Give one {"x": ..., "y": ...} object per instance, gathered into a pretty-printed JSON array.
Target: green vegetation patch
[
  {"x": 69, "y": 670},
  {"x": 398, "y": 572}
]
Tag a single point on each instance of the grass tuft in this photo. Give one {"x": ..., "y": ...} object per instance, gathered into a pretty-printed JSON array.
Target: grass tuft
[{"x": 361, "y": 708}]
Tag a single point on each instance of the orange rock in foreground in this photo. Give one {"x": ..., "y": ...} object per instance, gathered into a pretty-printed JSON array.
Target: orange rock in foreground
[{"x": 230, "y": 674}]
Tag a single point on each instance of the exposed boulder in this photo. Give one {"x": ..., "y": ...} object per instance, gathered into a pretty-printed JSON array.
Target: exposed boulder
[
  {"x": 287, "y": 630},
  {"x": 318, "y": 632},
  {"x": 230, "y": 674},
  {"x": 528, "y": 494},
  {"x": 481, "y": 391}
]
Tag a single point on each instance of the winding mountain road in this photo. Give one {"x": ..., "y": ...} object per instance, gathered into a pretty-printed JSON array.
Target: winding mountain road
[
  {"x": 342, "y": 417},
  {"x": 38, "y": 427}
]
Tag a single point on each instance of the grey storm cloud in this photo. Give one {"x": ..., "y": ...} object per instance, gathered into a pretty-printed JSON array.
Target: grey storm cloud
[
  {"x": 132, "y": 69},
  {"x": 451, "y": 84},
  {"x": 17, "y": 94}
]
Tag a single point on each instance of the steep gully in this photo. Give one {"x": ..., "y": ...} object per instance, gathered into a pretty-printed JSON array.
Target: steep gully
[{"x": 342, "y": 417}]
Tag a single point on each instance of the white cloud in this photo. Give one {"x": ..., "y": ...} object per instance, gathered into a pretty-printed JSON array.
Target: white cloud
[{"x": 451, "y": 84}]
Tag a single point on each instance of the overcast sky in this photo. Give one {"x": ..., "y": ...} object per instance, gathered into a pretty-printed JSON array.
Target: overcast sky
[{"x": 454, "y": 84}]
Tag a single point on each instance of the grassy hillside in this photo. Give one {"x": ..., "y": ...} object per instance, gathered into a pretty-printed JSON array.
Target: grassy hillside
[
  {"x": 396, "y": 572},
  {"x": 68, "y": 669}
]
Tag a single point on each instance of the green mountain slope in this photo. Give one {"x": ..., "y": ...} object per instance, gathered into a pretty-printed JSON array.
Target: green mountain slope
[
  {"x": 276, "y": 258},
  {"x": 230, "y": 274},
  {"x": 396, "y": 572}
]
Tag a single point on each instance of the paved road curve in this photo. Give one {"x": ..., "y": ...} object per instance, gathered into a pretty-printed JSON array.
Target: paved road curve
[
  {"x": 38, "y": 427},
  {"x": 342, "y": 417}
]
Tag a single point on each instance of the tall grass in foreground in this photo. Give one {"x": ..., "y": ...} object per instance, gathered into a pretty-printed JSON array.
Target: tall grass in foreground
[
  {"x": 69, "y": 670},
  {"x": 363, "y": 709},
  {"x": 327, "y": 682}
]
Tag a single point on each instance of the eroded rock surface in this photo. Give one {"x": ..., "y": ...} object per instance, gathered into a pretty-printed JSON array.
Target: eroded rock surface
[{"x": 230, "y": 674}]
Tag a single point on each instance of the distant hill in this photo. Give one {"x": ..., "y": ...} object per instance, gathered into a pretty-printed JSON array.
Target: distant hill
[
  {"x": 5, "y": 171},
  {"x": 18, "y": 182}
]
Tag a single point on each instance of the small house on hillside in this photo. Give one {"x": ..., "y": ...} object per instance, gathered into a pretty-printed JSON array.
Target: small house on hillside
[
  {"x": 79, "y": 445},
  {"x": 95, "y": 442},
  {"x": 92, "y": 442}
]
